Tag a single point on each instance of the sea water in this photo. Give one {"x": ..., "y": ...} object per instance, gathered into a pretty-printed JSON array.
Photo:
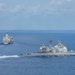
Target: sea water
[{"x": 12, "y": 64}]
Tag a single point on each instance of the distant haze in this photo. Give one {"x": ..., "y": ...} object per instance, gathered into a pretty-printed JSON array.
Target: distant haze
[{"x": 37, "y": 31}]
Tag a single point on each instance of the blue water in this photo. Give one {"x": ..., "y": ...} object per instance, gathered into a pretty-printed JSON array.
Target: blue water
[{"x": 11, "y": 64}]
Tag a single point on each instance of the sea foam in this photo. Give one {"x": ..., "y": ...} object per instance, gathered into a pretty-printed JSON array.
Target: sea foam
[{"x": 8, "y": 56}]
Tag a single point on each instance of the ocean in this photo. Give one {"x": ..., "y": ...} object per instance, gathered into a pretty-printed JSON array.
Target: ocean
[{"x": 27, "y": 42}]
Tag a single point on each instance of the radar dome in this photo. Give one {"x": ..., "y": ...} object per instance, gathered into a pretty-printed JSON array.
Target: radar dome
[
  {"x": 44, "y": 48},
  {"x": 60, "y": 48}
]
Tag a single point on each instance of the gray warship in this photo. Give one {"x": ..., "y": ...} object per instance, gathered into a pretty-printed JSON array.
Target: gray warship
[{"x": 57, "y": 50}]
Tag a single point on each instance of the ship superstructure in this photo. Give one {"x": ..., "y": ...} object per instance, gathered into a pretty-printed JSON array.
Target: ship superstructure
[{"x": 59, "y": 48}]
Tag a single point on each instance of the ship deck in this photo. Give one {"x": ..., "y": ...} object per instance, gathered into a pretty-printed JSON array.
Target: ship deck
[{"x": 48, "y": 54}]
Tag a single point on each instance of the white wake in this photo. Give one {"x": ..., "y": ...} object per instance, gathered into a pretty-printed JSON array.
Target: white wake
[{"x": 8, "y": 56}]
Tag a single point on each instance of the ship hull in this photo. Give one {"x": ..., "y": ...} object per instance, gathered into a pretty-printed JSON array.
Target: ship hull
[
  {"x": 48, "y": 54},
  {"x": 7, "y": 42}
]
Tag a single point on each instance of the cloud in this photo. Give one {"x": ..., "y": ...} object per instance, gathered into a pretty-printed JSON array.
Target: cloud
[
  {"x": 33, "y": 9},
  {"x": 15, "y": 9},
  {"x": 50, "y": 7},
  {"x": 61, "y": 6},
  {"x": 25, "y": 9},
  {"x": 2, "y": 5}
]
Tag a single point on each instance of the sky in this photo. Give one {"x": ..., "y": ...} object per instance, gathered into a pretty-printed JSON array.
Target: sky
[{"x": 37, "y": 14}]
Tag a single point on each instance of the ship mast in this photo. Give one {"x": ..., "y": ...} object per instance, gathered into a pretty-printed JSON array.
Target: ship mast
[{"x": 51, "y": 40}]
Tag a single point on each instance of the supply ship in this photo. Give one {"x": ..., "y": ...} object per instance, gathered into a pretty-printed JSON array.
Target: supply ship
[
  {"x": 57, "y": 50},
  {"x": 7, "y": 39}
]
